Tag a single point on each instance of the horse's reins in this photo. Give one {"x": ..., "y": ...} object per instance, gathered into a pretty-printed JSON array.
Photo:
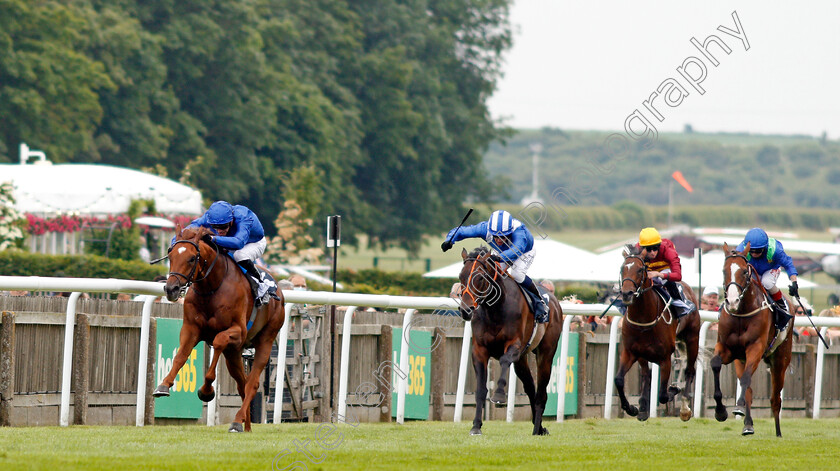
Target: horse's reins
[
  {"x": 466, "y": 289},
  {"x": 639, "y": 292},
  {"x": 188, "y": 279},
  {"x": 742, "y": 290}
]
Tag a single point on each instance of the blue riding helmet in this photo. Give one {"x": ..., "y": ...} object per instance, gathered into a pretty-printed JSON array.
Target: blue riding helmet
[
  {"x": 500, "y": 223},
  {"x": 220, "y": 212},
  {"x": 757, "y": 238}
]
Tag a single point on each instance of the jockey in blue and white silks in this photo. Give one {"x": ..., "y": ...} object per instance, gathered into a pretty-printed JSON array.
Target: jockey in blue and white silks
[
  {"x": 514, "y": 244},
  {"x": 239, "y": 230},
  {"x": 768, "y": 257}
]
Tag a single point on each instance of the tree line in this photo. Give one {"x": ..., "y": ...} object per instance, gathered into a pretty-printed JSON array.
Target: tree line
[
  {"x": 723, "y": 169},
  {"x": 375, "y": 110}
]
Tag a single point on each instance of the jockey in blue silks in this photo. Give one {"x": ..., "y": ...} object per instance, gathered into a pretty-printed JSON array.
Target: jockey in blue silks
[
  {"x": 239, "y": 230},
  {"x": 768, "y": 257},
  {"x": 513, "y": 243}
]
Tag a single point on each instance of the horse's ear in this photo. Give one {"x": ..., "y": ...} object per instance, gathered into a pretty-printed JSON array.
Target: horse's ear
[
  {"x": 725, "y": 247},
  {"x": 746, "y": 249},
  {"x": 178, "y": 228},
  {"x": 464, "y": 253}
]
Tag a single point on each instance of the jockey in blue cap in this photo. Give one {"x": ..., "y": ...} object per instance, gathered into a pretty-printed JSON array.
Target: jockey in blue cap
[
  {"x": 239, "y": 230},
  {"x": 768, "y": 257},
  {"x": 513, "y": 243}
]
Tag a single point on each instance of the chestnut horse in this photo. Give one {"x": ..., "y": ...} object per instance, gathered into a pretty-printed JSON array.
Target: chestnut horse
[
  {"x": 216, "y": 310},
  {"x": 745, "y": 330},
  {"x": 649, "y": 333},
  {"x": 503, "y": 327}
]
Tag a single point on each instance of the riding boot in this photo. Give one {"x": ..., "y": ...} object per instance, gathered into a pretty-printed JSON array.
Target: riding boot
[
  {"x": 262, "y": 286},
  {"x": 540, "y": 306},
  {"x": 682, "y": 305},
  {"x": 782, "y": 317}
]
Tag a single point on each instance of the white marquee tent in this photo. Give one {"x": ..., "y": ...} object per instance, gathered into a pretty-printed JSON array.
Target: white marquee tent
[
  {"x": 554, "y": 261},
  {"x": 50, "y": 189}
]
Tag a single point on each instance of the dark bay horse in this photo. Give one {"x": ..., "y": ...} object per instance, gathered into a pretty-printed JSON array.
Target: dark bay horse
[
  {"x": 217, "y": 310},
  {"x": 745, "y": 330},
  {"x": 504, "y": 328},
  {"x": 649, "y": 333}
]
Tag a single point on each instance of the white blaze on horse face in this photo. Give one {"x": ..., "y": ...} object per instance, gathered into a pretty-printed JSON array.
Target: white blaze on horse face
[
  {"x": 627, "y": 267},
  {"x": 732, "y": 289},
  {"x": 181, "y": 249}
]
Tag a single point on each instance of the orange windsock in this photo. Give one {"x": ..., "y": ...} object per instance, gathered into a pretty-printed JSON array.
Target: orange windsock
[{"x": 678, "y": 176}]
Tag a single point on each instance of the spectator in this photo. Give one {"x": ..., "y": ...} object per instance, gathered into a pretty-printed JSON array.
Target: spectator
[
  {"x": 285, "y": 285},
  {"x": 298, "y": 282},
  {"x": 144, "y": 253},
  {"x": 123, "y": 297},
  {"x": 548, "y": 284},
  {"x": 803, "y": 310},
  {"x": 454, "y": 293},
  {"x": 711, "y": 299}
]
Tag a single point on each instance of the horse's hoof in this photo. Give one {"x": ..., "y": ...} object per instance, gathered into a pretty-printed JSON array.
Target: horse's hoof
[
  {"x": 748, "y": 430},
  {"x": 235, "y": 427},
  {"x": 541, "y": 431},
  {"x": 720, "y": 414},
  {"x": 499, "y": 398},
  {"x": 738, "y": 411},
  {"x": 632, "y": 411},
  {"x": 685, "y": 415},
  {"x": 161, "y": 391},
  {"x": 643, "y": 416},
  {"x": 207, "y": 397},
  {"x": 475, "y": 431},
  {"x": 674, "y": 390}
]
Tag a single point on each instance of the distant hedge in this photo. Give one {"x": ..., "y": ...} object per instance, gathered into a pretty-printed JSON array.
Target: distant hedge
[
  {"x": 19, "y": 263},
  {"x": 629, "y": 215}
]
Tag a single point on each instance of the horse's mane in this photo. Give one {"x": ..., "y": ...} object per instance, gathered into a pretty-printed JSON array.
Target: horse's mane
[
  {"x": 479, "y": 251},
  {"x": 631, "y": 249},
  {"x": 194, "y": 233}
]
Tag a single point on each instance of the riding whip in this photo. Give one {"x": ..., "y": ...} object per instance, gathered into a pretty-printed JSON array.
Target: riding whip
[
  {"x": 808, "y": 314},
  {"x": 448, "y": 243}
]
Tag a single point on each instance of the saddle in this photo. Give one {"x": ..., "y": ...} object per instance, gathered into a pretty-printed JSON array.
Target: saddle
[{"x": 532, "y": 300}]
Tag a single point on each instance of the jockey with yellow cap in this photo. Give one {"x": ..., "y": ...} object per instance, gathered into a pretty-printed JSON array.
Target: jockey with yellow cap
[{"x": 663, "y": 264}]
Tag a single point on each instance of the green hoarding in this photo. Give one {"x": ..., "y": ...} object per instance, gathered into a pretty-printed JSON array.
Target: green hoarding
[
  {"x": 183, "y": 402},
  {"x": 571, "y": 388},
  {"x": 419, "y": 373}
]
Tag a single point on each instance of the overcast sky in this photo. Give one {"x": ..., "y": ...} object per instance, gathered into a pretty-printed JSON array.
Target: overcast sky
[{"x": 589, "y": 65}]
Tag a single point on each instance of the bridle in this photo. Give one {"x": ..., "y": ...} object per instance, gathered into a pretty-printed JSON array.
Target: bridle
[
  {"x": 188, "y": 279},
  {"x": 640, "y": 291},
  {"x": 466, "y": 287},
  {"x": 742, "y": 290}
]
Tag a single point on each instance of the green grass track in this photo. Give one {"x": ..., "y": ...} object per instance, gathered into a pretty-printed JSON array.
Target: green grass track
[{"x": 590, "y": 444}]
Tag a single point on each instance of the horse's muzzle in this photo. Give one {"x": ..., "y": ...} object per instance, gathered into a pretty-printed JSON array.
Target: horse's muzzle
[
  {"x": 627, "y": 297},
  {"x": 172, "y": 290}
]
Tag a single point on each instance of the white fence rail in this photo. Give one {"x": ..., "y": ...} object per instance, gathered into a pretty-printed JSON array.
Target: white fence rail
[{"x": 152, "y": 289}]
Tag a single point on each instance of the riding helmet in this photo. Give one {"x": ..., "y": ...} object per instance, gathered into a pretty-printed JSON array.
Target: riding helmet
[
  {"x": 757, "y": 238},
  {"x": 220, "y": 212},
  {"x": 500, "y": 223},
  {"x": 649, "y": 236}
]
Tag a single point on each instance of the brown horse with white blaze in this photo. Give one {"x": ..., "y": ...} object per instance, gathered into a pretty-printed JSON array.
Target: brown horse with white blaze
[
  {"x": 649, "y": 333},
  {"x": 745, "y": 331},
  {"x": 216, "y": 310}
]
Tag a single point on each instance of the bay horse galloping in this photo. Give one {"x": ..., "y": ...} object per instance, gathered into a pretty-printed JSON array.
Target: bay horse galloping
[
  {"x": 504, "y": 328},
  {"x": 216, "y": 310},
  {"x": 649, "y": 333},
  {"x": 745, "y": 331}
]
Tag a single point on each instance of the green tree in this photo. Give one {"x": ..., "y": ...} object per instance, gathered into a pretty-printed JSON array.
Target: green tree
[{"x": 48, "y": 86}]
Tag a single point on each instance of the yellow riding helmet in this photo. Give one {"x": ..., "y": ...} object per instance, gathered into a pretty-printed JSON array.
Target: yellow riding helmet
[{"x": 649, "y": 236}]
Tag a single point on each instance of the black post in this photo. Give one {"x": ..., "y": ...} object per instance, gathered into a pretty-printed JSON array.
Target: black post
[{"x": 333, "y": 240}]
